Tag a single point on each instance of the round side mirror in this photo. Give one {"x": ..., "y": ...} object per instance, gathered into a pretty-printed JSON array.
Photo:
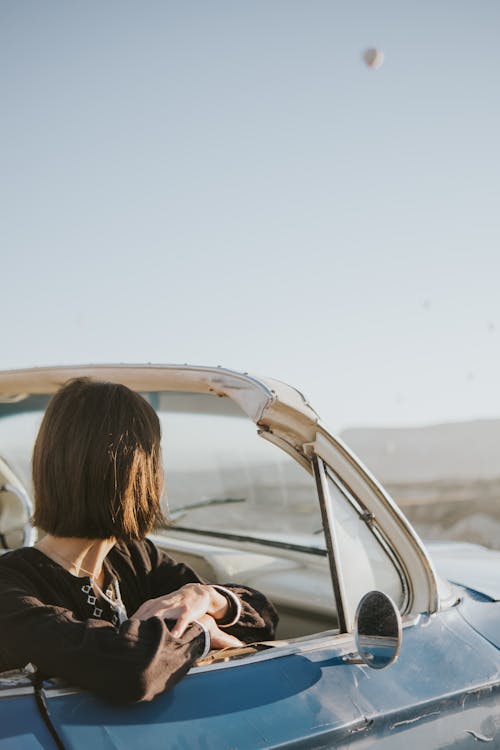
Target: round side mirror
[{"x": 378, "y": 630}]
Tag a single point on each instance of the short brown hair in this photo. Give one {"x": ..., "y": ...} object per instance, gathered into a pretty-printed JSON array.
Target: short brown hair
[{"x": 97, "y": 464}]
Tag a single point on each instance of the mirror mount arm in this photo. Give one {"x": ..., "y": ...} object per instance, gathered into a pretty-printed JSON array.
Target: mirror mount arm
[{"x": 353, "y": 658}]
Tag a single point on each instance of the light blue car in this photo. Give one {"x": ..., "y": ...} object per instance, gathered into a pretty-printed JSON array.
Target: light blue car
[{"x": 383, "y": 642}]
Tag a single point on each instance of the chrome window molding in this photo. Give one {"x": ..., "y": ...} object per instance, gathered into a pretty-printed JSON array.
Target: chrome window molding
[
  {"x": 15, "y": 682},
  {"x": 427, "y": 567},
  {"x": 370, "y": 520}
]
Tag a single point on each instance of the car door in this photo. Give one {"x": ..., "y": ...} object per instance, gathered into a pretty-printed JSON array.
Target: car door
[
  {"x": 442, "y": 692},
  {"x": 22, "y": 726}
]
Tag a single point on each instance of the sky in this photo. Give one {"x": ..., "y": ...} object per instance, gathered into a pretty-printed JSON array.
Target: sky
[{"x": 226, "y": 182}]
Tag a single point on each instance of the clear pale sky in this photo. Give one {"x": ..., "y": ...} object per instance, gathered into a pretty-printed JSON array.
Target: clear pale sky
[{"x": 225, "y": 182}]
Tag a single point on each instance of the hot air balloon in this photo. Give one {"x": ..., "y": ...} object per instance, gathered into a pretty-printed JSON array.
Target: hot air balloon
[{"x": 373, "y": 57}]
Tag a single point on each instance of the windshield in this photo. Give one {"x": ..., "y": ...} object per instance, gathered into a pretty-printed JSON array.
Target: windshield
[{"x": 221, "y": 476}]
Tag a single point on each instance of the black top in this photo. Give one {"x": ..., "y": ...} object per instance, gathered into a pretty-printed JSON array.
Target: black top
[{"x": 46, "y": 619}]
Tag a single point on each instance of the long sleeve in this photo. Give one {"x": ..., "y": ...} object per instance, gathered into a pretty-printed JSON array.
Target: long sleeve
[
  {"x": 135, "y": 663},
  {"x": 258, "y": 618},
  {"x": 45, "y": 620}
]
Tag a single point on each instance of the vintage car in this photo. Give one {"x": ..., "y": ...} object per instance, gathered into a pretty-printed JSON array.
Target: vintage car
[{"x": 260, "y": 492}]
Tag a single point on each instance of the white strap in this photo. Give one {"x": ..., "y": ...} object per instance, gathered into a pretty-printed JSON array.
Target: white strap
[
  {"x": 236, "y": 603},
  {"x": 208, "y": 643},
  {"x": 117, "y": 605}
]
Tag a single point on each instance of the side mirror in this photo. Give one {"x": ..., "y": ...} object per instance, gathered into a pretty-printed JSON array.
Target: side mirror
[{"x": 377, "y": 631}]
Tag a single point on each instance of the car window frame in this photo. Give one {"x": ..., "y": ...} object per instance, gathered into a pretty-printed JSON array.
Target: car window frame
[{"x": 324, "y": 473}]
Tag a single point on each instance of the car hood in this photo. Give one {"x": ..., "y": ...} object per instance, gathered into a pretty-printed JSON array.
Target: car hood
[{"x": 468, "y": 565}]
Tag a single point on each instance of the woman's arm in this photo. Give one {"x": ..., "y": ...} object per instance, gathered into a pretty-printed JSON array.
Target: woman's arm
[
  {"x": 258, "y": 618},
  {"x": 135, "y": 663},
  {"x": 191, "y": 603}
]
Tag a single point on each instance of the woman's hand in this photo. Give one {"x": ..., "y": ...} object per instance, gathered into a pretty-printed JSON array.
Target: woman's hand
[
  {"x": 191, "y": 602},
  {"x": 219, "y": 638}
]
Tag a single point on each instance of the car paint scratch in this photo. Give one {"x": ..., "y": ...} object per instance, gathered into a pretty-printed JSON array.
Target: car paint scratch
[
  {"x": 415, "y": 719},
  {"x": 477, "y": 736},
  {"x": 364, "y": 724}
]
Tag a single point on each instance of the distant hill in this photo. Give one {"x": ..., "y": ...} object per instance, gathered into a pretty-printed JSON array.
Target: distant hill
[{"x": 459, "y": 451}]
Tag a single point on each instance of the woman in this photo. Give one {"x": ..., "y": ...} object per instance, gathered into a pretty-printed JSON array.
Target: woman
[{"x": 94, "y": 601}]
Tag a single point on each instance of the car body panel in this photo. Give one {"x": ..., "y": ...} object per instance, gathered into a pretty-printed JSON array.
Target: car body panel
[
  {"x": 21, "y": 725},
  {"x": 484, "y": 617},
  {"x": 310, "y": 699},
  {"x": 469, "y": 565}
]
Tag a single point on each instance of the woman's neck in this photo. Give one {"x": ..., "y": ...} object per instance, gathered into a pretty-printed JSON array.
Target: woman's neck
[{"x": 81, "y": 557}]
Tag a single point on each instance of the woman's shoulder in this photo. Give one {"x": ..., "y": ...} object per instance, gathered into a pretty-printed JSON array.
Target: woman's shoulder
[
  {"x": 140, "y": 555},
  {"x": 22, "y": 559},
  {"x": 26, "y": 567}
]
